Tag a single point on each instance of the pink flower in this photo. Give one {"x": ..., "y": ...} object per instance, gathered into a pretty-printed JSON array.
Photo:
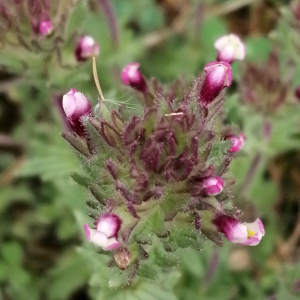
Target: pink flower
[
  {"x": 106, "y": 232},
  {"x": 133, "y": 77},
  {"x": 218, "y": 76},
  {"x": 45, "y": 28},
  {"x": 206, "y": 187},
  {"x": 230, "y": 48},
  {"x": 86, "y": 48},
  {"x": 212, "y": 186},
  {"x": 237, "y": 143},
  {"x": 240, "y": 233},
  {"x": 76, "y": 104}
]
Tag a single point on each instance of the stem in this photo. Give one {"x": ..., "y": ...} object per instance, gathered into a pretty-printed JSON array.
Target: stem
[
  {"x": 111, "y": 20},
  {"x": 212, "y": 267},
  {"x": 96, "y": 79},
  {"x": 258, "y": 158},
  {"x": 229, "y": 7},
  {"x": 251, "y": 173}
]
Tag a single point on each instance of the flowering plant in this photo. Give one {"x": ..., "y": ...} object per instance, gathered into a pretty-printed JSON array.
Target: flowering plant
[{"x": 157, "y": 180}]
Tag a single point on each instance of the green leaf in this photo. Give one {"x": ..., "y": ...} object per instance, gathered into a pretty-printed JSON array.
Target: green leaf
[
  {"x": 149, "y": 271},
  {"x": 191, "y": 261},
  {"x": 70, "y": 273},
  {"x": 185, "y": 237},
  {"x": 81, "y": 179},
  {"x": 218, "y": 153},
  {"x": 12, "y": 253},
  {"x": 4, "y": 271},
  {"x": 152, "y": 222},
  {"x": 162, "y": 258},
  {"x": 142, "y": 290},
  {"x": 156, "y": 221}
]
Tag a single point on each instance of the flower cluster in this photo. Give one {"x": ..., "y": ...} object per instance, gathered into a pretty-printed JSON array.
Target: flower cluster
[
  {"x": 157, "y": 180},
  {"x": 16, "y": 15},
  {"x": 33, "y": 26}
]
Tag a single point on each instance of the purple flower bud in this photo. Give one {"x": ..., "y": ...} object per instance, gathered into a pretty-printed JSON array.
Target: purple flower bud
[
  {"x": 106, "y": 232},
  {"x": 45, "y": 28},
  {"x": 240, "y": 233},
  {"x": 230, "y": 48},
  {"x": 76, "y": 105},
  {"x": 86, "y": 48},
  {"x": 296, "y": 10},
  {"x": 212, "y": 186},
  {"x": 133, "y": 77},
  {"x": 297, "y": 93},
  {"x": 237, "y": 143},
  {"x": 218, "y": 76}
]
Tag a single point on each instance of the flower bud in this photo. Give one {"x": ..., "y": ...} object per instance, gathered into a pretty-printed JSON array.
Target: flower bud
[
  {"x": 237, "y": 143},
  {"x": 86, "y": 48},
  {"x": 230, "y": 48},
  {"x": 297, "y": 93},
  {"x": 75, "y": 104},
  {"x": 212, "y": 186},
  {"x": 207, "y": 186},
  {"x": 106, "y": 232},
  {"x": 45, "y": 28},
  {"x": 240, "y": 233},
  {"x": 133, "y": 77},
  {"x": 218, "y": 76}
]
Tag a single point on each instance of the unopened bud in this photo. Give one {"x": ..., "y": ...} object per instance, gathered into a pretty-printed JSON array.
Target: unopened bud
[
  {"x": 45, "y": 28},
  {"x": 133, "y": 77},
  {"x": 297, "y": 93},
  {"x": 86, "y": 48},
  {"x": 212, "y": 186},
  {"x": 76, "y": 104},
  {"x": 218, "y": 76},
  {"x": 237, "y": 143}
]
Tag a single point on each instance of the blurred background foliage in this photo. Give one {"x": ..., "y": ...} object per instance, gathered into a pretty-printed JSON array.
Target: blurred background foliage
[{"x": 43, "y": 253}]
